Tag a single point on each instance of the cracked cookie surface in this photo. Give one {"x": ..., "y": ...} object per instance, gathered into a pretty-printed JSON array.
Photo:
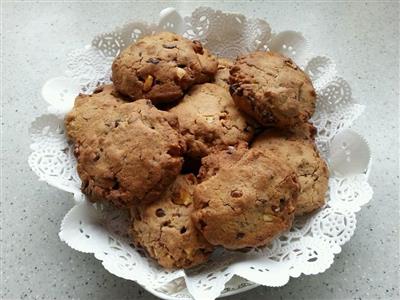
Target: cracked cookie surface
[
  {"x": 126, "y": 152},
  {"x": 165, "y": 229},
  {"x": 272, "y": 89},
  {"x": 162, "y": 67},
  {"x": 298, "y": 149},
  {"x": 222, "y": 76},
  {"x": 248, "y": 201},
  {"x": 210, "y": 120}
]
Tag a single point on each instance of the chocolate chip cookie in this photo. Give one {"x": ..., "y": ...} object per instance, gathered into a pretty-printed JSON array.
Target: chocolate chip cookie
[
  {"x": 246, "y": 203},
  {"x": 162, "y": 67},
  {"x": 209, "y": 120},
  {"x": 273, "y": 89},
  {"x": 298, "y": 150},
  {"x": 165, "y": 229},
  {"x": 126, "y": 152}
]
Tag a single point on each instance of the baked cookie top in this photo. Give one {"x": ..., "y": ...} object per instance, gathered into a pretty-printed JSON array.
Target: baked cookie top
[
  {"x": 162, "y": 67},
  {"x": 165, "y": 229},
  {"x": 272, "y": 88},
  {"x": 126, "y": 152},
  {"x": 246, "y": 203},
  {"x": 209, "y": 120},
  {"x": 222, "y": 76},
  {"x": 211, "y": 164},
  {"x": 300, "y": 153}
]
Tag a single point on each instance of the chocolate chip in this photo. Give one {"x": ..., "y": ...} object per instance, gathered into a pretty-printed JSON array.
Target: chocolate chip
[
  {"x": 181, "y": 66},
  {"x": 239, "y": 235},
  {"x": 160, "y": 213},
  {"x": 153, "y": 61},
  {"x": 166, "y": 223},
  {"x": 282, "y": 203},
  {"x": 115, "y": 184},
  {"x": 236, "y": 194},
  {"x": 169, "y": 46},
  {"x": 183, "y": 230}
]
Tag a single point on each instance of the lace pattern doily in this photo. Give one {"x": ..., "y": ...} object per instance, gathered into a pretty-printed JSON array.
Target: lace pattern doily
[{"x": 308, "y": 248}]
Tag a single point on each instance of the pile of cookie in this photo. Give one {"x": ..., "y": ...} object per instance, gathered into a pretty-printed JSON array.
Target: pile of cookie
[{"x": 203, "y": 152}]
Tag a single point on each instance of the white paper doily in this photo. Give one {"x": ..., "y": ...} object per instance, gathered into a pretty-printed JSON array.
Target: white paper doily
[{"x": 308, "y": 248}]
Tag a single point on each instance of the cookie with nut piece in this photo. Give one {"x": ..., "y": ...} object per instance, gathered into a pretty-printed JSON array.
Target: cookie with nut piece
[
  {"x": 165, "y": 228},
  {"x": 248, "y": 201},
  {"x": 272, "y": 89},
  {"x": 127, "y": 152},
  {"x": 298, "y": 149},
  {"x": 209, "y": 120},
  {"x": 162, "y": 67}
]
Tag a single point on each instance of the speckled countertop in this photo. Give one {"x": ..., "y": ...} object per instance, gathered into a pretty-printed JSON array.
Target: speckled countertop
[{"x": 362, "y": 38}]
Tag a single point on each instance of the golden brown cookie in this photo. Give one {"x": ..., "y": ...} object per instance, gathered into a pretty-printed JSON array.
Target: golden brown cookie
[
  {"x": 162, "y": 67},
  {"x": 165, "y": 230},
  {"x": 126, "y": 152},
  {"x": 272, "y": 88},
  {"x": 209, "y": 120},
  {"x": 246, "y": 203},
  {"x": 300, "y": 153},
  {"x": 222, "y": 75}
]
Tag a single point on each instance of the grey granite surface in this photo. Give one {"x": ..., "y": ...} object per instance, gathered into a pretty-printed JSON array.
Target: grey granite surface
[{"x": 362, "y": 38}]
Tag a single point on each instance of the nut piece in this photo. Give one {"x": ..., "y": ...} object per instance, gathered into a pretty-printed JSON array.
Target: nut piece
[
  {"x": 180, "y": 73},
  {"x": 268, "y": 218},
  {"x": 209, "y": 118},
  {"x": 184, "y": 198},
  {"x": 148, "y": 83}
]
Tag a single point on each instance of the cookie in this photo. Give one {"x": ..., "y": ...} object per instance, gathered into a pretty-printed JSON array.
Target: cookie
[
  {"x": 165, "y": 228},
  {"x": 162, "y": 67},
  {"x": 300, "y": 153},
  {"x": 272, "y": 89},
  {"x": 222, "y": 76},
  {"x": 126, "y": 152},
  {"x": 209, "y": 120},
  {"x": 246, "y": 203}
]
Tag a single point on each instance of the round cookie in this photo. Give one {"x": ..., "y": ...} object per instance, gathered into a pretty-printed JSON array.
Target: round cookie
[
  {"x": 272, "y": 89},
  {"x": 165, "y": 230},
  {"x": 162, "y": 67},
  {"x": 126, "y": 152},
  {"x": 209, "y": 120},
  {"x": 246, "y": 203},
  {"x": 301, "y": 154},
  {"x": 222, "y": 76}
]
